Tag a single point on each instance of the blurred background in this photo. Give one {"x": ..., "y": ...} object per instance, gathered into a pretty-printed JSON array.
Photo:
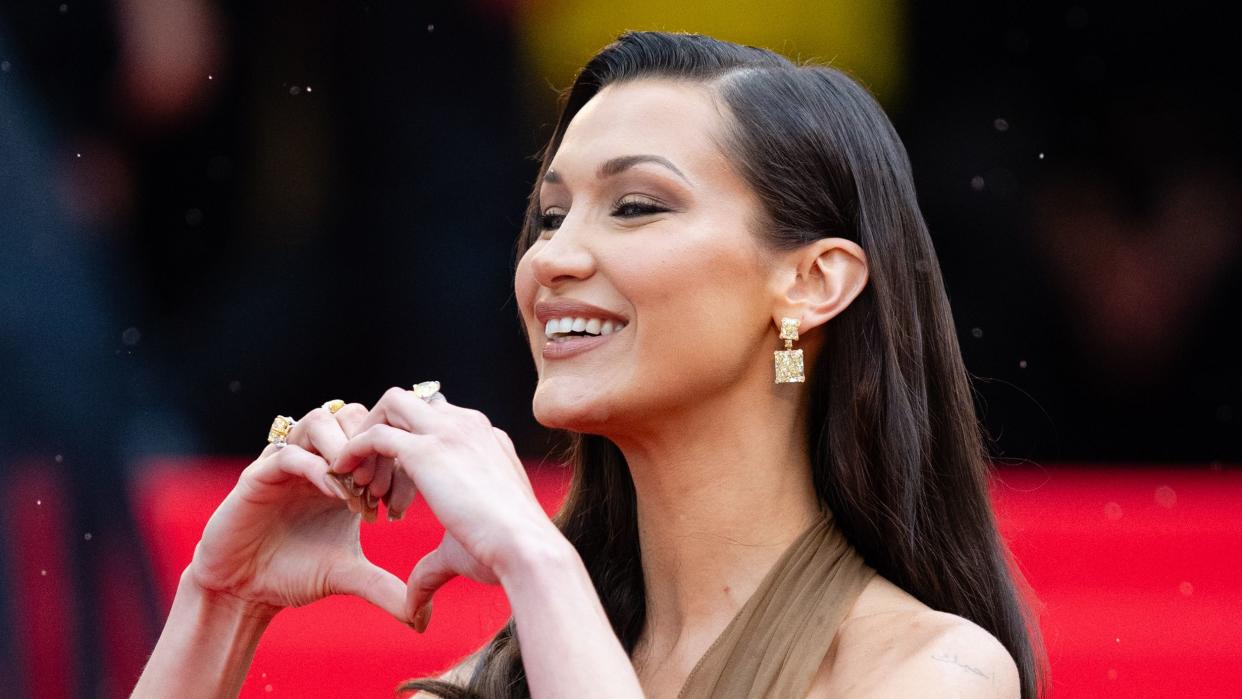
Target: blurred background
[{"x": 212, "y": 212}]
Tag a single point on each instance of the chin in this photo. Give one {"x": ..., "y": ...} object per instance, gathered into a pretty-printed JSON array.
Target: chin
[{"x": 565, "y": 405}]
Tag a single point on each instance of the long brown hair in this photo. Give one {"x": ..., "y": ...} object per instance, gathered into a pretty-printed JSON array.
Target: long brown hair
[{"x": 897, "y": 453}]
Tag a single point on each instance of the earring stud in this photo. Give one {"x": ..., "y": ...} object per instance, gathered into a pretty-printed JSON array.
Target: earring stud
[{"x": 789, "y": 368}]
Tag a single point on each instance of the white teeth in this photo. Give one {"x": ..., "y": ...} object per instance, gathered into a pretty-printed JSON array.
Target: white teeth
[{"x": 558, "y": 327}]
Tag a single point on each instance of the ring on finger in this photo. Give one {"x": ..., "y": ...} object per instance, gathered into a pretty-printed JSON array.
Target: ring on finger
[
  {"x": 427, "y": 390},
  {"x": 278, "y": 433},
  {"x": 333, "y": 405}
]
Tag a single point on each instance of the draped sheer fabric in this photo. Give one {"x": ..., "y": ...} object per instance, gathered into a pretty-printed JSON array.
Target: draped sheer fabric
[{"x": 775, "y": 644}]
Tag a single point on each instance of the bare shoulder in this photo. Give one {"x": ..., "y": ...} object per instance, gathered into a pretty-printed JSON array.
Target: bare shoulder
[
  {"x": 959, "y": 658},
  {"x": 893, "y": 645}
]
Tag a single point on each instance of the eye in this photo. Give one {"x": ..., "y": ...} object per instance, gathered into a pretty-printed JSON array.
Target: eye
[
  {"x": 550, "y": 219},
  {"x": 631, "y": 208}
]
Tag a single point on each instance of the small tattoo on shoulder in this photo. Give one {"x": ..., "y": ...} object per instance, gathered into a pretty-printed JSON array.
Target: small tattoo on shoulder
[{"x": 946, "y": 658}]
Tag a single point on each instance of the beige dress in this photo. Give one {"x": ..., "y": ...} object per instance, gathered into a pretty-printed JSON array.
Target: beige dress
[{"x": 775, "y": 644}]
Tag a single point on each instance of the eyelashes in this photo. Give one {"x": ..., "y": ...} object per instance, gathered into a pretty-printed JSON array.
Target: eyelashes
[{"x": 624, "y": 209}]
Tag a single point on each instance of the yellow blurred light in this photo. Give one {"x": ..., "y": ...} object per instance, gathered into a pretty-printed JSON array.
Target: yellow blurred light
[{"x": 865, "y": 39}]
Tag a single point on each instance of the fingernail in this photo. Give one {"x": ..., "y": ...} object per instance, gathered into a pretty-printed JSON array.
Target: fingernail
[
  {"x": 348, "y": 481},
  {"x": 369, "y": 515},
  {"x": 335, "y": 486},
  {"x": 394, "y": 515},
  {"x": 421, "y": 618},
  {"x": 372, "y": 501},
  {"x": 355, "y": 505}
]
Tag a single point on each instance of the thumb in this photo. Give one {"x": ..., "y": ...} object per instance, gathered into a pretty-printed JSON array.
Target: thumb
[
  {"x": 428, "y": 576},
  {"x": 374, "y": 584}
]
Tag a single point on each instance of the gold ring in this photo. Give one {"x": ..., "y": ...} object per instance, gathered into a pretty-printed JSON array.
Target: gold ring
[
  {"x": 333, "y": 405},
  {"x": 279, "y": 431},
  {"x": 426, "y": 389}
]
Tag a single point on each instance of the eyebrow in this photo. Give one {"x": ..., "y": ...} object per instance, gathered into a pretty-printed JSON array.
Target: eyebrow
[{"x": 620, "y": 164}]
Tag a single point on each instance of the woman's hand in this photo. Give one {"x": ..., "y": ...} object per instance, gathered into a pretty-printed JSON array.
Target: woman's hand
[
  {"x": 469, "y": 474},
  {"x": 284, "y": 536}
]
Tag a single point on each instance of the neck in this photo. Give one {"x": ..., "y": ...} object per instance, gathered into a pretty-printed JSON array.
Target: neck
[{"x": 722, "y": 490}]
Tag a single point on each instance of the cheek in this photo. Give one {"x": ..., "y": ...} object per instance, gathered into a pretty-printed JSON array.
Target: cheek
[
  {"x": 525, "y": 288},
  {"x": 690, "y": 304}
]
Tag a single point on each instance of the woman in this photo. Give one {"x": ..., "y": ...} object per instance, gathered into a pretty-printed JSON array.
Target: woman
[{"x": 740, "y": 523}]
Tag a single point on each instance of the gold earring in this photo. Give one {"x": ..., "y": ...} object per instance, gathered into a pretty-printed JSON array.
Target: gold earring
[{"x": 789, "y": 360}]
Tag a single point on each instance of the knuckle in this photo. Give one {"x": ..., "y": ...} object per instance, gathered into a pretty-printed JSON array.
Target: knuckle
[
  {"x": 315, "y": 416},
  {"x": 476, "y": 418},
  {"x": 394, "y": 393},
  {"x": 280, "y": 458},
  {"x": 249, "y": 470},
  {"x": 502, "y": 436},
  {"x": 351, "y": 411}
]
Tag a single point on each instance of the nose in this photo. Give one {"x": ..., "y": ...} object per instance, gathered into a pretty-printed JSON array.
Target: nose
[{"x": 563, "y": 257}]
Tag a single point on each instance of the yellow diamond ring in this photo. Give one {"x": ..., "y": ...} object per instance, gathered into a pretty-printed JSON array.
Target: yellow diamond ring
[
  {"x": 426, "y": 389},
  {"x": 279, "y": 431}
]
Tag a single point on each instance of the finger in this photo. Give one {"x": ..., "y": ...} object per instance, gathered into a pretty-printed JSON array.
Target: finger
[
  {"x": 319, "y": 432},
  {"x": 401, "y": 495},
  {"x": 377, "y": 440},
  {"x": 365, "y": 473},
  {"x": 428, "y": 575},
  {"x": 350, "y": 417},
  {"x": 382, "y": 481},
  {"x": 390, "y": 484},
  {"x": 401, "y": 408},
  {"x": 372, "y": 583},
  {"x": 293, "y": 462},
  {"x": 506, "y": 445}
]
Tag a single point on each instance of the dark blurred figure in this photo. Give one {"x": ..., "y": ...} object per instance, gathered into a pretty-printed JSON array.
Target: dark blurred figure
[
  {"x": 1079, "y": 164},
  {"x": 214, "y": 213},
  {"x": 83, "y": 402}
]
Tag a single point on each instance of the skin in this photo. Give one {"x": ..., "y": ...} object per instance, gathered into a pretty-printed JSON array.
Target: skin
[{"x": 686, "y": 392}]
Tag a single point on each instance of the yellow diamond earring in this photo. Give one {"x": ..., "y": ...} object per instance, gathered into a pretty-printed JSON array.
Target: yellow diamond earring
[{"x": 789, "y": 360}]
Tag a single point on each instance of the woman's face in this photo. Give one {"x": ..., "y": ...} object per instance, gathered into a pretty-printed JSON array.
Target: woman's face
[{"x": 646, "y": 221}]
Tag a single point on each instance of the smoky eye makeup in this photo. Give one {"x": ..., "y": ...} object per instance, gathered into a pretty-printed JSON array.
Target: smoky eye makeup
[{"x": 629, "y": 206}]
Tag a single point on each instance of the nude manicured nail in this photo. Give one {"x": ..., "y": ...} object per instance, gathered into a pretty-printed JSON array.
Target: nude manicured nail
[
  {"x": 335, "y": 486},
  {"x": 421, "y": 618}
]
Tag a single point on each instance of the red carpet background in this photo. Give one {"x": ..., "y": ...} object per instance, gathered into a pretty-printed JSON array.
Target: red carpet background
[{"x": 1135, "y": 573}]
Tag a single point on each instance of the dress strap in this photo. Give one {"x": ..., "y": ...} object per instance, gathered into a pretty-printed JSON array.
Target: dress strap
[{"x": 775, "y": 644}]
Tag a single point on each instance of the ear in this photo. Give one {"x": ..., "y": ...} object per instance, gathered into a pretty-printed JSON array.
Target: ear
[{"x": 819, "y": 280}]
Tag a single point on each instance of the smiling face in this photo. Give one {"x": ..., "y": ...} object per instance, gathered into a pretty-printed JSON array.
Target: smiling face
[{"x": 645, "y": 219}]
